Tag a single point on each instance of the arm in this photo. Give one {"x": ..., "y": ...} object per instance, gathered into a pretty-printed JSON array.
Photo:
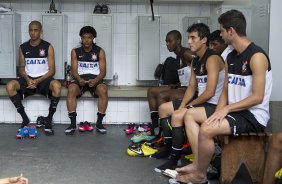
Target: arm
[
  {"x": 103, "y": 71},
  {"x": 259, "y": 69},
  {"x": 30, "y": 82},
  {"x": 258, "y": 84},
  {"x": 51, "y": 66},
  {"x": 223, "y": 99},
  {"x": 190, "y": 91},
  {"x": 188, "y": 57},
  {"x": 74, "y": 67},
  {"x": 213, "y": 65}
]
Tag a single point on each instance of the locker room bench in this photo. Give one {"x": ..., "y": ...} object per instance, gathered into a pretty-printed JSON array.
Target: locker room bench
[
  {"x": 113, "y": 92},
  {"x": 248, "y": 149}
]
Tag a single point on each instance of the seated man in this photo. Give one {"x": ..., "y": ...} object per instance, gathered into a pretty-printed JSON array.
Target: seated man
[
  {"x": 88, "y": 67},
  {"x": 274, "y": 158},
  {"x": 244, "y": 102},
  {"x": 36, "y": 68},
  {"x": 172, "y": 89},
  {"x": 218, "y": 45},
  {"x": 208, "y": 76}
]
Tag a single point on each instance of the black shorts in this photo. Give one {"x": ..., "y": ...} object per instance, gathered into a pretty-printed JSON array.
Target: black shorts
[
  {"x": 176, "y": 103},
  {"x": 240, "y": 122},
  {"x": 42, "y": 88},
  {"x": 85, "y": 88}
]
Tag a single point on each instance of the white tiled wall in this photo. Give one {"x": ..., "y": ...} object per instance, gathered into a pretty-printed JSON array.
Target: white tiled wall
[
  {"x": 124, "y": 56},
  {"x": 121, "y": 110}
]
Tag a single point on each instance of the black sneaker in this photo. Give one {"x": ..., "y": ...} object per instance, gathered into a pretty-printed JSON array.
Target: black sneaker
[
  {"x": 70, "y": 130},
  {"x": 40, "y": 121},
  {"x": 101, "y": 129},
  {"x": 164, "y": 152},
  {"x": 48, "y": 129},
  {"x": 170, "y": 164}
]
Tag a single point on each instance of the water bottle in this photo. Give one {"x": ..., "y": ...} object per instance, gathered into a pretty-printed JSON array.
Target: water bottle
[
  {"x": 115, "y": 79},
  {"x": 68, "y": 80}
]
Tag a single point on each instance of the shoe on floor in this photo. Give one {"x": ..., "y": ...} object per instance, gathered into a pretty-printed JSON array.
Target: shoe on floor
[
  {"x": 22, "y": 132},
  {"x": 88, "y": 127},
  {"x": 170, "y": 164},
  {"x": 70, "y": 130},
  {"x": 32, "y": 132},
  {"x": 40, "y": 121},
  {"x": 278, "y": 174},
  {"x": 48, "y": 128},
  {"x": 164, "y": 152},
  {"x": 145, "y": 136},
  {"x": 130, "y": 129},
  {"x": 101, "y": 129},
  {"x": 81, "y": 127},
  {"x": 140, "y": 150},
  {"x": 144, "y": 128}
]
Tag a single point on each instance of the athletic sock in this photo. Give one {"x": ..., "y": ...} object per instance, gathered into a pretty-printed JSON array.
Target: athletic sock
[
  {"x": 52, "y": 109},
  {"x": 177, "y": 142},
  {"x": 72, "y": 116},
  {"x": 100, "y": 120},
  {"x": 16, "y": 100}
]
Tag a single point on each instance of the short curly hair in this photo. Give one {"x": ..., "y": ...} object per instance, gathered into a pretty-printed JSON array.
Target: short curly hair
[{"x": 88, "y": 29}]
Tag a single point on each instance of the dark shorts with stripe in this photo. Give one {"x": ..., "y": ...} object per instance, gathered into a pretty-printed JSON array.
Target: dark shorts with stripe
[
  {"x": 240, "y": 122},
  {"x": 85, "y": 88},
  {"x": 42, "y": 88}
]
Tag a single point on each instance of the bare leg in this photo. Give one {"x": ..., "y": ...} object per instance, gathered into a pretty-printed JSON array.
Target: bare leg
[
  {"x": 166, "y": 110},
  {"x": 205, "y": 151},
  {"x": 274, "y": 158},
  {"x": 191, "y": 117},
  {"x": 102, "y": 92},
  {"x": 152, "y": 95},
  {"x": 73, "y": 92}
]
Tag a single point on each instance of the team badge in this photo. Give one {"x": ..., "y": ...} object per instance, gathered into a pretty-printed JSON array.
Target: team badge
[
  {"x": 41, "y": 52},
  {"x": 202, "y": 68},
  {"x": 244, "y": 67},
  {"x": 94, "y": 57}
]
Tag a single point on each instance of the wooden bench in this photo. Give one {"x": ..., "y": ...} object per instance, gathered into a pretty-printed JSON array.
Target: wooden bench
[
  {"x": 113, "y": 91},
  {"x": 248, "y": 149}
]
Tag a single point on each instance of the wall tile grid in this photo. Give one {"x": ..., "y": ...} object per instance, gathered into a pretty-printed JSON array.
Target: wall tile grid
[{"x": 124, "y": 54}]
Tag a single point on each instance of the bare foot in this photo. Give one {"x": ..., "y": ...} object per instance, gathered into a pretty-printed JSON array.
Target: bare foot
[
  {"x": 195, "y": 177},
  {"x": 186, "y": 169}
]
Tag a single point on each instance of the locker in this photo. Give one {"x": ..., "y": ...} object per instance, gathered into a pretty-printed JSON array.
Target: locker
[
  {"x": 104, "y": 27},
  {"x": 55, "y": 32},
  {"x": 10, "y": 38},
  {"x": 188, "y": 21},
  {"x": 148, "y": 47}
]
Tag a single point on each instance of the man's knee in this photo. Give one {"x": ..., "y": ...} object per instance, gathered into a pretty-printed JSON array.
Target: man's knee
[
  {"x": 276, "y": 140},
  {"x": 205, "y": 132},
  {"x": 72, "y": 91},
  {"x": 177, "y": 117},
  {"x": 102, "y": 91},
  {"x": 56, "y": 87},
  {"x": 12, "y": 86}
]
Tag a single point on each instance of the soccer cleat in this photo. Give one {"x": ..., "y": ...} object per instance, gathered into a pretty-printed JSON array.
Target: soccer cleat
[
  {"x": 88, "y": 127},
  {"x": 101, "y": 130},
  {"x": 81, "y": 127},
  {"x": 156, "y": 143},
  {"x": 130, "y": 129},
  {"x": 140, "y": 150},
  {"x": 278, "y": 174},
  {"x": 144, "y": 128},
  {"x": 145, "y": 136},
  {"x": 32, "y": 132},
  {"x": 22, "y": 132},
  {"x": 170, "y": 164},
  {"x": 70, "y": 130},
  {"x": 40, "y": 121}
]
